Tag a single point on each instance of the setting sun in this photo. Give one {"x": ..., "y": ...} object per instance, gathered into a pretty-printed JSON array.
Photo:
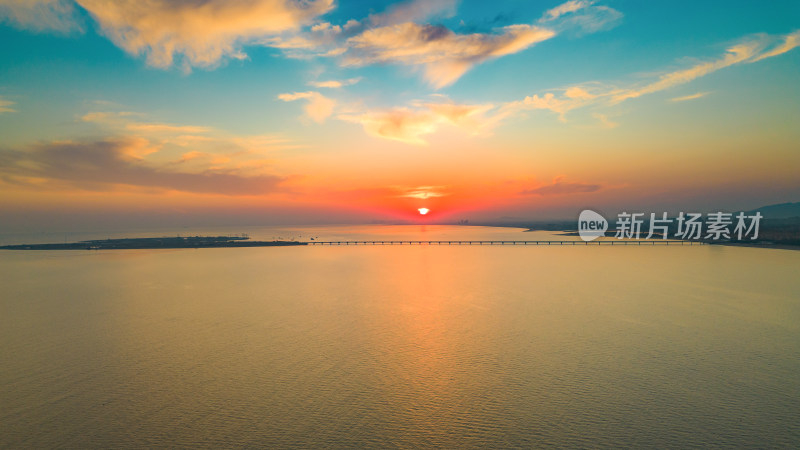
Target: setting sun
[{"x": 423, "y": 211}]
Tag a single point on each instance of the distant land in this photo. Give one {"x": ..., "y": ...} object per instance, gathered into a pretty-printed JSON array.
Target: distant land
[
  {"x": 779, "y": 227},
  {"x": 779, "y": 211},
  {"x": 156, "y": 243}
]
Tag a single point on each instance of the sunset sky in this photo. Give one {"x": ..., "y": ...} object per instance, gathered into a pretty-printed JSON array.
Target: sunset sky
[{"x": 320, "y": 111}]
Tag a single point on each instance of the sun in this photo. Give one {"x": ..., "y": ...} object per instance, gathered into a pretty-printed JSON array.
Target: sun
[{"x": 423, "y": 211}]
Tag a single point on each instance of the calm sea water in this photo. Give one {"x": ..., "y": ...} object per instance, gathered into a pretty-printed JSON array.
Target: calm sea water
[{"x": 401, "y": 346}]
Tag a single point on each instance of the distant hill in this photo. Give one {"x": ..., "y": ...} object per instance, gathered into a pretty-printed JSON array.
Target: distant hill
[{"x": 779, "y": 211}]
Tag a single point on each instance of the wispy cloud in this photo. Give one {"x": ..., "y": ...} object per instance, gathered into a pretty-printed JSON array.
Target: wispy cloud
[
  {"x": 167, "y": 128},
  {"x": 169, "y": 143},
  {"x": 789, "y": 42},
  {"x": 411, "y": 125},
  {"x": 605, "y": 121},
  {"x": 40, "y": 15},
  {"x": 105, "y": 164},
  {"x": 109, "y": 117},
  {"x": 421, "y": 192},
  {"x": 335, "y": 84},
  {"x": 581, "y": 17},
  {"x": 399, "y": 36},
  {"x": 206, "y": 33},
  {"x": 413, "y": 11},
  {"x": 6, "y": 106},
  {"x": 548, "y": 101},
  {"x": 748, "y": 50},
  {"x": 736, "y": 54},
  {"x": 566, "y": 8},
  {"x": 689, "y": 97},
  {"x": 562, "y": 187},
  {"x": 201, "y": 33},
  {"x": 318, "y": 107},
  {"x": 443, "y": 55},
  {"x": 154, "y": 156}
]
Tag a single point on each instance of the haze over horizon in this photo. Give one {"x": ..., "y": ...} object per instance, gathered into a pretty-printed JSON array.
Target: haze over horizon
[{"x": 281, "y": 112}]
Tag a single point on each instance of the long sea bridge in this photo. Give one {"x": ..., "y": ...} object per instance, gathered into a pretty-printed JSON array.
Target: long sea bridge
[{"x": 570, "y": 242}]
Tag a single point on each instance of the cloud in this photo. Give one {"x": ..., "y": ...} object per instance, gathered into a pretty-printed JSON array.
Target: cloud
[
  {"x": 131, "y": 123},
  {"x": 40, "y": 15},
  {"x": 414, "y": 11},
  {"x": 105, "y": 164},
  {"x": 581, "y": 17},
  {"x": 605, "y": 121},
  {"x": 201, "y": 32},
  {"x": 318, "y": 107},
  {"x": 166, "y": 143},
  {"x": 398, "y": 36},
  {"x": 566, "y": 8},
  {"x": 689, "y": 97},
  {"x": 400, "y": 124},
  {"x": 734, "y": 55},
  {"x": 411, "y": 125},
  {"x": 561, "y": 101},
  {"x": 108, "y": 117},
  {"x": 5, "y": 106},
  {"x": 561, "y": 187},
  {"x": 577, "y": 92},
  {"x": 790, "y": 41},
  {"x": 166, "y": 128},
  {"x": 321, "y": 40},
  {"x": 443, "y": 55},
  {"x": 421, "y": 192},
  {"x": 547, "y": 101},
  {"x": 335, "y": 84}
]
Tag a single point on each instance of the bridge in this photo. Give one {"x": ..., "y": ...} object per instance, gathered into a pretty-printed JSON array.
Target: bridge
[{"x": 571, "y": 242}]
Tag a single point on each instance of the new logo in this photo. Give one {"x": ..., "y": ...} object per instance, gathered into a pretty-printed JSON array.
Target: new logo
[{"x": 591, "y": 225}]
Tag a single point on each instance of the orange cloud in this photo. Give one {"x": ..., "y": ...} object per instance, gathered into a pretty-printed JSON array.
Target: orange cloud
[
  {"x": 748, "y": 51},
  {"x": 108, "y": 117},
  {"x": 196, "y": 148},
  {"x": 411, "y": 125},
  {"x": 734, "y": 55},
  {"x": 318, "y": 107},
  {"x": 605, "y": 122},
  {"x": 413, "y": 11},
  {"x": 335, "y": 84},
  {"x": 102, "y": 165},
  {"x": 689, "y": 97},
  {"x": 444, "y": 55},
  {"x": 547, "y": 101},
  {"x": 790, "y": 41},
  {"x": 5, "y": 106},
  {"x": 202, "y": 33},
  {"x": 39, "y": 15},
  {"x": 561, "y": 187},
  {"x": 577, "y": 92},
  {"x": 166, "y": 128},
  {"x": 421, "y": 192}
]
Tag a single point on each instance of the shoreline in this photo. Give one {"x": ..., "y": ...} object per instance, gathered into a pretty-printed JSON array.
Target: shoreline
[
  {"x": 196, "y": 242},
  {"x": 155, "y": 243}
]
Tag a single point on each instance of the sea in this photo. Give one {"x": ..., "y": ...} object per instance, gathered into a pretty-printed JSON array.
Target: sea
[{"x": 398, "y": 346}]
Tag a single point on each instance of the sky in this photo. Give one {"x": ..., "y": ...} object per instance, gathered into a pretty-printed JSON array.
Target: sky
[{"x": 259, "y": 112}]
